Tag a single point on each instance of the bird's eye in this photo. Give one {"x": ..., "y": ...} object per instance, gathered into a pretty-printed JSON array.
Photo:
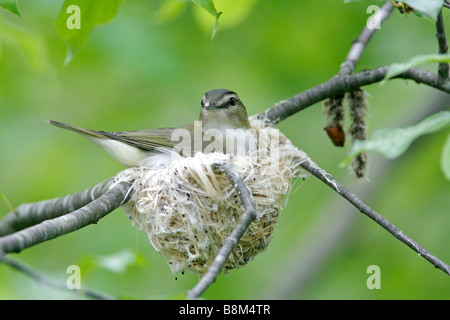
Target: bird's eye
[{"x": 232, "y": 101}]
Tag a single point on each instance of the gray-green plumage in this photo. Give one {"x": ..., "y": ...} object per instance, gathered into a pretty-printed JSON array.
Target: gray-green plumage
[{"x": 221, "y": 110}]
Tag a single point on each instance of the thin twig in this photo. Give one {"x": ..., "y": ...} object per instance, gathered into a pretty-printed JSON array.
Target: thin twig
[
  {"x": 340, "y": 84},
  {"x": 363, "y": 208},
  {"x": 230, "y": 242},
  {"x": 361, "y": 42},
  {"x": 29, "y": 214},
  {"x": 52, "y": 283},
  {"x": 443, "y": 68},
  {"x": 67, "y": 223}
]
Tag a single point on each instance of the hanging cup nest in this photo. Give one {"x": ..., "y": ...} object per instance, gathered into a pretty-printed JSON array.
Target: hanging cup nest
[{"x": 188, "y": 208}]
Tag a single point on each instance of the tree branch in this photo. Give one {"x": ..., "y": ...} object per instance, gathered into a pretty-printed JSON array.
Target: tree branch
[
  {"x": 67, "y": 223},
  {"x": 443, "y": 68},
  {"x": 50, "y": 282},
  {"x": 340, "y": 84},
  {"x": 230, "y": 242},
  {"x": 358, "y": 46},
  {"x": 110, "y": 200},
  {"x": 48, "y": 219},
  {"x": 29, "y": 214},
  {"x": 363, "y": 208},
  {"x": 309, "y": 256}
]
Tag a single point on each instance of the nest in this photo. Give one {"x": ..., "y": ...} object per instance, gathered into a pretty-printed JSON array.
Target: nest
[{"x": 188, "y": 209}]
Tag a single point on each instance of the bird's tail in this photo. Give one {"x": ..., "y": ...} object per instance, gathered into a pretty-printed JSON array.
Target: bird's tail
[{"x": 86, "y": 132}]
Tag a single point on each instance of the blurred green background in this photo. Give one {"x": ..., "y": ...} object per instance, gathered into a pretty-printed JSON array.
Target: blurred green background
[{"x": 149, "y": 67}]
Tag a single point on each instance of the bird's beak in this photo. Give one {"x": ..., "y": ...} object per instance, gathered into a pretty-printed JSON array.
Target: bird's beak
[{"x": 209, "y": 107}]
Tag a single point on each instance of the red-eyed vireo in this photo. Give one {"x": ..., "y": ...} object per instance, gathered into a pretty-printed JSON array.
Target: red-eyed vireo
[{"x": 223, "y": 127}]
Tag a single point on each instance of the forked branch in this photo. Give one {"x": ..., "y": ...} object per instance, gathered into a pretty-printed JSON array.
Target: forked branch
[
  {"x": 37, "y": 222},
  {"x": 340, "y": 84},
  {"x": 230, "y": 242},
  {"x": 69, "y": 222},
  {"x": 359, "y": 45},
  {"x": 30, "y": 214}
]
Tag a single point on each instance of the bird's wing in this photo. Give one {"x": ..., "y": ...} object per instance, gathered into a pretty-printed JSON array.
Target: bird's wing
[{"x": 149, "y": 139}]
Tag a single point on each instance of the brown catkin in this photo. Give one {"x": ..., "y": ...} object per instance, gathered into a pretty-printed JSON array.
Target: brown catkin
[
  {"x": 358, "y": 128},
  {"x": 334, "y": 116}
]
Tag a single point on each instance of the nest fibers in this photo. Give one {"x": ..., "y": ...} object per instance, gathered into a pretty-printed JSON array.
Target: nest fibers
[{"x": 187, "y": 209}]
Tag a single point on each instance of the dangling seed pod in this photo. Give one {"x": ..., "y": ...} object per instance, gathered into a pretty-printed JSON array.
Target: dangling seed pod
[
  {"x": 358, "y": 130},
  {"x": 334, "y": 113}
]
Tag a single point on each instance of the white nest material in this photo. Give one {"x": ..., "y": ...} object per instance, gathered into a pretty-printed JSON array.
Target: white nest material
[{"x": 187, "y": 209}]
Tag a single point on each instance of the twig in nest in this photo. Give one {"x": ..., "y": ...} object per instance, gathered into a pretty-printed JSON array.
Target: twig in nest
[{"x": 230, "y": 242}]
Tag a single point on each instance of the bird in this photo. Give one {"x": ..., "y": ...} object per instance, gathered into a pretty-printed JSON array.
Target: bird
[{"x": 223, "y": 127}]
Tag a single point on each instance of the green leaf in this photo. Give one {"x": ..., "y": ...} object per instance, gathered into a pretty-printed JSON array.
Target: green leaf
[
  {"x": 208, "y": 5},
  {"x": 397, "y": 68},
  {"x": 445, "y": 159},
  {"x": 392, "y": 143},
  {"x": 10, "y": 5},
  {"x": 236, "y": 11},
  {"x": 428, "y": 9},
  {"x": 31, "y": 46},
  {"x": 77, "y": 18}
]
